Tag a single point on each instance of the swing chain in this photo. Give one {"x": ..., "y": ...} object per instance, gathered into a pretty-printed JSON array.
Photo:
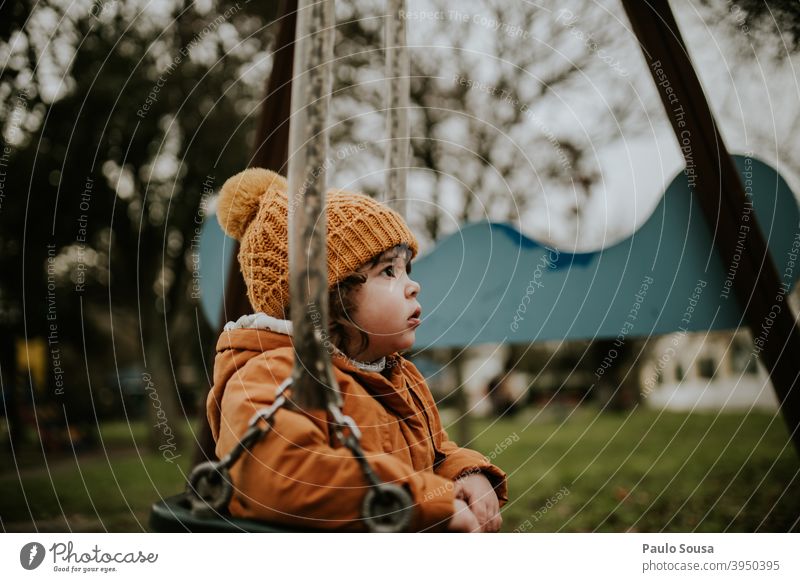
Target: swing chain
[
  {"x": 348, "y": 433},
  {"x": 209, "y": 486},
  {"x": 386, "y": 507}
]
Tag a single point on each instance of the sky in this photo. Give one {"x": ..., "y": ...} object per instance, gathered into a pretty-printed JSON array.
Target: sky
[{"x": 755, "y": 101}]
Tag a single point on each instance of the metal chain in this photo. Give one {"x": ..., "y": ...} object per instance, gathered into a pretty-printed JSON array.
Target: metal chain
[
  {"x": 385, "y": 508},
  {"x": 209, "y": 486},
  {"x": 348, "y": 433}
]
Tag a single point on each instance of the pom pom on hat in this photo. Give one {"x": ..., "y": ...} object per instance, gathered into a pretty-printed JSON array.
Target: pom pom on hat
[{"x": 241, "y": 195}]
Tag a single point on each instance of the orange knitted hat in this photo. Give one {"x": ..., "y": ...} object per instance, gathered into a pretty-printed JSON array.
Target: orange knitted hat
[{"x": 253, "y": 208}]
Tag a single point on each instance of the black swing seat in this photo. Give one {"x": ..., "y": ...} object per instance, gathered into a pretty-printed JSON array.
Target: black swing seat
[{"x": 174, "y": 515}]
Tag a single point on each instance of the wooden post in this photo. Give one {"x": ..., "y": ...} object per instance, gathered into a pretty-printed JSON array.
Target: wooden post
[
  {"x": 269, "y": 151},
  {"x": 314, "y": 385},
  {"x": 271, "y": 147},
  {"x": 722, "y": 197},
  {"x": 397, "y": 100}
]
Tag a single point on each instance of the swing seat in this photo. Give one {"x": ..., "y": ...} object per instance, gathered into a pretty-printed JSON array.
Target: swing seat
[{"x": 174, "y": 515}]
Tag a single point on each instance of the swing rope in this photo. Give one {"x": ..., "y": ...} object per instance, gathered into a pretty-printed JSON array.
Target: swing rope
[{"x": 398, "y": 88}]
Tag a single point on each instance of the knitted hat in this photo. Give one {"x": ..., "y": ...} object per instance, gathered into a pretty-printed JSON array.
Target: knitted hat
[{"x": 253, "y": 208}]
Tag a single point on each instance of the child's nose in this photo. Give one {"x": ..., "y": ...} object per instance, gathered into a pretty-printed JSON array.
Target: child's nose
[{"x": 413, "y": 288}]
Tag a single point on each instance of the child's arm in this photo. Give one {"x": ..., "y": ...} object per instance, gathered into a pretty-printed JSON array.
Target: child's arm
[{"x": 294, "y": 476}]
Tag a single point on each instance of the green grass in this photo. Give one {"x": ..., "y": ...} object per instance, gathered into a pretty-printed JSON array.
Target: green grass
[
  {"x": 646, "y": 471},
  {"x": 98, "y": 496},
  {"x": 105, "y": 490},
  {"x": 643, "y": 471}
]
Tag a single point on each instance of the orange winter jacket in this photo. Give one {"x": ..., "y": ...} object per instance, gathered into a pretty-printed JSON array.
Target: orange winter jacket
[{"x": 300, "y": 475}]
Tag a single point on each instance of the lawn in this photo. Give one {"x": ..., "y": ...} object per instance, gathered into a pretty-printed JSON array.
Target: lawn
[
  {"x": 106, "y": 490},
  {"x": 575, "y": 471},
  {"x": 646, "y": 471}
]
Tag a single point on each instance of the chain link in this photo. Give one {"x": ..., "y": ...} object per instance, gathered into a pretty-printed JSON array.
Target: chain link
[
  {"x": 348, "y": 433},
  {"x": 209, "y": 487},
  {"x": 386, "y": 507}
]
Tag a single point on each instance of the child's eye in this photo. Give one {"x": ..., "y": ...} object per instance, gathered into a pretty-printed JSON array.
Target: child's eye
[{"x": 389, "y": 270}]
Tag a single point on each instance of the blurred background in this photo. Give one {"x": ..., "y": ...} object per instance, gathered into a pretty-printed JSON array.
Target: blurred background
[{"x": 121, "y": 119}]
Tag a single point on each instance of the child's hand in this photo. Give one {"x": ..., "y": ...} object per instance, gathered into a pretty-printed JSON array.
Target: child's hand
[
  {"x": 478, "y": 492},
  {"x": 463, "y": 519}
]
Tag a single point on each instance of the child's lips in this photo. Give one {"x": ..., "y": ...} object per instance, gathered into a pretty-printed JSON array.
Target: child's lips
[{"x": 415, "y": 320}]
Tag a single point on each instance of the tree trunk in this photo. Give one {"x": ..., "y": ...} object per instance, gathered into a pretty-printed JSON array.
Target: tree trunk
[
  {"x": 464, "y": 424},
  {"x": 8, "y": 384},
  {"x": 165, "y": 417}
]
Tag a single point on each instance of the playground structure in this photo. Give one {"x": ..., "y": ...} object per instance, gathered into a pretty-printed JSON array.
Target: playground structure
[{"x": 717, "y": 190}]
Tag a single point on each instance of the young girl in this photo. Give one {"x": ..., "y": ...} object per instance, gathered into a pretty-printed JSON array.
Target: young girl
[{"x": 297, "y": 474}]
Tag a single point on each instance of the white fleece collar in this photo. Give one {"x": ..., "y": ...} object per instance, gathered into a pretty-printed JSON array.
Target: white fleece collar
[
  {"x": 261, "y": 321},
  {"x": 284, "y": 326}
]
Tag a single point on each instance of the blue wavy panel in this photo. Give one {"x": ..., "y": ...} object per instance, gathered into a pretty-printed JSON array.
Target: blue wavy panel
[{"x": 489, "y": 283}]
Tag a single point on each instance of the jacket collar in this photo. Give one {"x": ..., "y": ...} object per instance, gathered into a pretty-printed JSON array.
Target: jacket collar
[{"x": 284, "y": 326}]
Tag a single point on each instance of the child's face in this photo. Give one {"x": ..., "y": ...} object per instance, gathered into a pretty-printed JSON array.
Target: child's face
[{"x": 387, "y": 309}]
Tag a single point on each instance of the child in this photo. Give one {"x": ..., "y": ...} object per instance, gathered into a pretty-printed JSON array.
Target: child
[{"x": 297, "y": 474}]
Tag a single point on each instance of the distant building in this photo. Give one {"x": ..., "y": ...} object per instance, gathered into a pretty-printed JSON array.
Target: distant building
[{"x": 706, "y": 371}]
